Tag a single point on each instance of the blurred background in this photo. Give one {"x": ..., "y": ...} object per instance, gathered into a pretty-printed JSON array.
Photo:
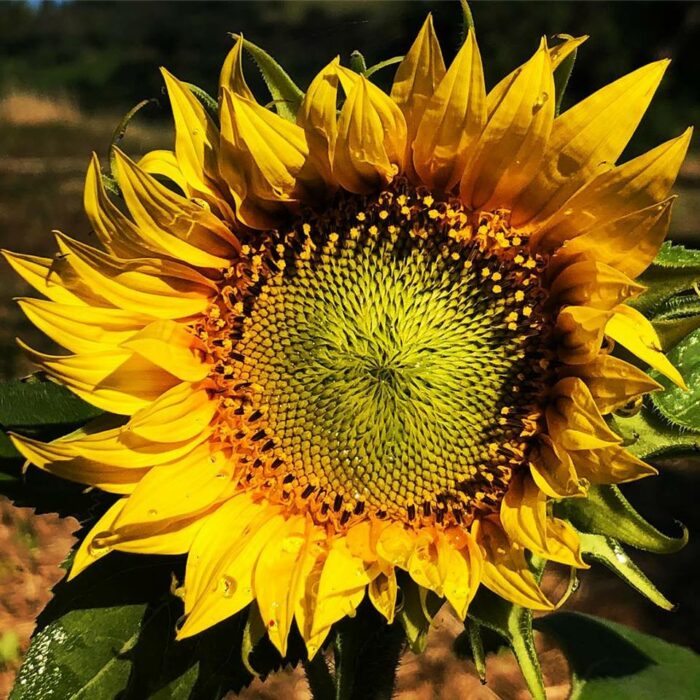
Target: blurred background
[{"x": 70, "y": 70}]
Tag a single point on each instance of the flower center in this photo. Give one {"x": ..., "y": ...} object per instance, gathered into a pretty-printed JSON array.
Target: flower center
[{"x": 384, "y": 357}]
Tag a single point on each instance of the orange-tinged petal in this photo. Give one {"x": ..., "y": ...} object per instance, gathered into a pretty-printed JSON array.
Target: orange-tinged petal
[
  {"x": 593, "y": 284},
  {"x": 395, "y": 545},
  {"x": 580, "y": 330},
  {"x": 564, "y": 544},
  {"x": 461, "y": 562},
  {"x": 506, "y": 572},
  {"x": 382, "y": 592},
  {"x": 553, "y": 471},
  {"x": 82, "y": 329},
  {"x": 613, "y": 382},
  {"x": 453, "y": 119},
  {"x": 371, "y": 140},
  {"x": 170, "y": 346},
  {"x": 416, "y": 80},
  {"x": 616, "y": 193},
  {"x": 573, "y": 419},
  {"x": 628, "y": 244},
  {"x": 611, "y": 465},
  {"x": 593, "y": 132},
  {"x": 88, "y": 553},
  {"x": 114, "y": 380},
  {"x": 160, "y": 288},
  {"x": 511, "y": 146},
  {"x": 634, "y": 332},
  {"x": 182, "y": 413}
]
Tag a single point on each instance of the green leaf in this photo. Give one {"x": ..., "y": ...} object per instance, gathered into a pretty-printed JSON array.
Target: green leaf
[
  {"x": 674, "y": 270},
  {"x": 36, "y": 404},
  {"x": 477, "y": 647},
  {"x": 610, "y": 661},
  {"x": 562, "y": 75},
  {"x": 672, "y": 331},
  {"x": 607, "y": 512},
  {"x": 677, "y": 405},
  {"x": 286, "y": 95},
  {"x": 647, "y": 435},
  {"x": 608, "y": 551},
  {"x": 416, "y": 613},
  {"x": 514, "y": 625}
]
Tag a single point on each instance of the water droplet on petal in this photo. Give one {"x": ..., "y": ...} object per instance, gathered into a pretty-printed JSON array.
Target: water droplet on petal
[
  {"x": 540, "y": 102},
  {"x": 229, "y": 586},
  {"x": 292, "y": 544},
  {"x": 153, "y": 512}
]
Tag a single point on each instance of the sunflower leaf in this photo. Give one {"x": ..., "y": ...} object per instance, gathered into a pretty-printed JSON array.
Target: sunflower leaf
[
  {"x": 674, "y": 270},
  {"x": 607, "y": 512},
  {"x": 607, "y": 551},
  {"x": 612, "y": 661},
  {"x": 562, "y": 75},
  {"x": 415, "y": 615},
  {"x": 646, "y": 435},
  {"x": 286, "y": 95},
  {"x": 672, "y": 331},
  {"x": 514, "y": 625},
  {"x": 676, "y": 405}
]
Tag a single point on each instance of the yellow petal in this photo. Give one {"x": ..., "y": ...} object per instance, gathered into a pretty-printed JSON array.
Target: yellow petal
[
  {"x": 229, "y": 588},
  {"x": 612, "y": 382},
  {"x": 280, "y": 577},
  {"x": 55, "y": 279},
  {"x": 573, "y": 419},
  {"x": 382, "y": 592},
  {"x": 83, "y": 329},
  {"x": 63, "y": 461},
  {"x": 170, "y": 223},
  {"x": 416, "y": 80},
  {"x": 580, "y": 330},
  {"x": 611, "y": 465},
  {"x": 174, "y": 491},
  {"x": 628, "y": 244},
  {"x": 510, "y": 149},
  {"x": 115, "y": 231},
  {"x": 160, "y": 288},
  {"x": 593, "y": 132},
  {"x": 179, "y": 414},
  {"x": 114, "y": 380},
  {"x": 164, "y": 163},
  {"x": 395, "y": 545},
  {"x": 634, "y": 332},
  {"x": 525, "y": 521},
  {"x": 371, "y": 140},
  {"x": 88, "y": 553},
  {"x": 617, "y": 192},
  {"x": 341, "y": 588},
  {"x": 317, "y": 116},
  {"x": 461, "y": 562},
  {"x": 168, "y": 345},
  {"x": 593, "y": 284},
  {"x": 506, "y": 572},
  {"x": 196, "y": 136},
  {"x": 452, "y": 120},
  {"x": 231, "y": 76},
  {"x": 273, "y": 151},
  {"x": 553, "y": 471},
  {"x": 559, "y": 52}
]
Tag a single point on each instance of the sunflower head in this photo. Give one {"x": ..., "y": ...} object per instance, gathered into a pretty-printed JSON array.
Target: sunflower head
[{"x": 360, "y": 334}]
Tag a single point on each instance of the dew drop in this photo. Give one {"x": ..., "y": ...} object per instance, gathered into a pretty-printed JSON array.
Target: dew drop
[
  {"x": 153, "y": 512},
  {"x": 292, "y": 544},
  {"x": 229, "y": 586}
]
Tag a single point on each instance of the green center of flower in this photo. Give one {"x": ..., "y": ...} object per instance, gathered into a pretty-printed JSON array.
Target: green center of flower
[{"x": 395, "y": 358}]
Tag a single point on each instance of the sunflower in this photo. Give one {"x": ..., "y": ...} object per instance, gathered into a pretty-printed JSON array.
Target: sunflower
[{"x": 361, "y": 340}]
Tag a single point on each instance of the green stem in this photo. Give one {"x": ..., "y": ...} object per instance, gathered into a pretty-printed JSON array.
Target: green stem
[{"x": 319, "y": 678}]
